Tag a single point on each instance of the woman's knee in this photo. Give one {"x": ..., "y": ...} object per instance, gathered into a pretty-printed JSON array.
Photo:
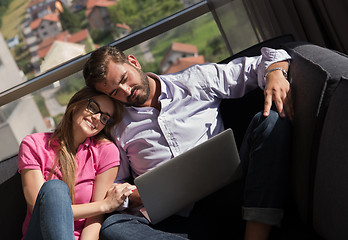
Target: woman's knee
[{"x": 54, "y": 189}]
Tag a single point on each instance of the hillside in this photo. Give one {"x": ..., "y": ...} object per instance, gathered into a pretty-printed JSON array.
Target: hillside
[{"x": 13, "y": 17}]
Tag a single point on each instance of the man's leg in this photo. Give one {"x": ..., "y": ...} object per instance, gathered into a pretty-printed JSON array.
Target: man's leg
[
  {"x": 124, "y": 226},
  {"x": 265, "y": 155},
  {"x": 52, "y": 216}
]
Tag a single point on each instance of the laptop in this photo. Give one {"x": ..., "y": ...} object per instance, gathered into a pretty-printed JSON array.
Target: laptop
[{"x": 189, "y": 177}]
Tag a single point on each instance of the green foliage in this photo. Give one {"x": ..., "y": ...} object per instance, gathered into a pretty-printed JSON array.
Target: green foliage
[
  {"x": 70, "y": 21},
  {"x": 69, "y": 86},
  {"x": 101, "y": 37},
  {"x": 89, "y": 45},
  {"x": 138, "y": 14},
  {"x": 40, "y": 102},
  {"x": 3, "y": 8},
  {"x": 58, "y": 118}
]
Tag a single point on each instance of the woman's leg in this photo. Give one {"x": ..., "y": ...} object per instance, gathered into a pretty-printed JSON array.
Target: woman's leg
[{"x": 52, "y": 217}]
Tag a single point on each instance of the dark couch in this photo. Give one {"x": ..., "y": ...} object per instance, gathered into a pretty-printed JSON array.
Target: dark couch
[{"x": 318, "y": 200}]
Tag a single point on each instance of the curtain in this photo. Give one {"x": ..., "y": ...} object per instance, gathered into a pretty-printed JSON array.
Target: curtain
[{"x": 321, "y": 22}]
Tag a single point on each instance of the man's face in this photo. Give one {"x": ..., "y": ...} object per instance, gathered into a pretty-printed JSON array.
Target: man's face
[{"x": 125, "y": 83}]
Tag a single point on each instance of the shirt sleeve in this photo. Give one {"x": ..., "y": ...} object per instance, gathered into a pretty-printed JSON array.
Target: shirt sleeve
[
  {"x": 123, "y": 174},
  {"x": 241, "y": 75},
  {"x": 108, "y": 157},
  {"x": 27, "y": 156},
  {"x": 268, "y": 57}
]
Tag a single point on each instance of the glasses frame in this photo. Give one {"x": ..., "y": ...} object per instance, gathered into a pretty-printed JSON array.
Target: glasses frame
[{"x": 109, "y": 121}]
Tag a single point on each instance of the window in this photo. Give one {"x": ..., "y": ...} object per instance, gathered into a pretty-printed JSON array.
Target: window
[{"x": 202, "y": 32}]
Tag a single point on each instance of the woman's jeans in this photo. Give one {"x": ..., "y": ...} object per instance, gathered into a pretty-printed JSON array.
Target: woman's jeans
[
  {"x": 265, "y": 156},
  {"x": 52, "y": 217}
]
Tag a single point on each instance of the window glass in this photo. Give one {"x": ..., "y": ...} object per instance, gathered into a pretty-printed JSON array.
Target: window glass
[
  {"x": 39, "y": 111},
  {"x": 197, "y": 41},
  {"x": 82, "y": 25},
  {"x": 194, "y": 42}
]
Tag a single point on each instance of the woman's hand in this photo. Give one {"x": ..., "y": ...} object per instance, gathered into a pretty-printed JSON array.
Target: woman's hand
[{"x": 117, "y": 194}]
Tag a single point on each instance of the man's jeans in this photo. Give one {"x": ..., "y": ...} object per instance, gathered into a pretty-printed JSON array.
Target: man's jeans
[
  {"x": 124, "y": 226},
  {"x": 265, "y": 156},
  {"x": 52, "y": 217}
]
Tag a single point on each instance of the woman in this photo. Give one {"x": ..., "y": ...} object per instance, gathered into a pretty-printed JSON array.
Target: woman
[{"x": 78, "y": 154}]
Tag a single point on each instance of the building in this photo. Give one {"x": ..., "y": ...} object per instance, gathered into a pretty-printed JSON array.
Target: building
[
  {"x": 78, "y": 5},
  {"x": 184, "y": 62},
  {"x": 39, "y": 8},
  {"x": 61, "y": 52},
  {"x": 79, "y": 37},
  {"x": 180, "y": 56},
  {"x": 122, "y": 30},
  {"x": 97, "y": 13},
  {"x": 20, "y": 117},
  {"x": 12, "y": 42},
  {"x": 45, "y": 27}
]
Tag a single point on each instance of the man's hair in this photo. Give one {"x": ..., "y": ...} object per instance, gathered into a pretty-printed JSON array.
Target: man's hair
[{"x": 95, "y": 69}]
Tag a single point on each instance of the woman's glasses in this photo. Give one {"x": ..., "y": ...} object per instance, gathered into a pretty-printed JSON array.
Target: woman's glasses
[{"x": 93, "y": 107}]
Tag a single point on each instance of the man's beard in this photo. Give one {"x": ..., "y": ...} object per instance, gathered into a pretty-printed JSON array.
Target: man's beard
[{"x": 143, "y": 91}]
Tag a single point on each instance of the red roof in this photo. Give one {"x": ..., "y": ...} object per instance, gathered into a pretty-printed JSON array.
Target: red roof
[
  {"x": 119, "y": 25},
  {"x": 46, "y": 44},
  {"x": 65, "y": 36},
  {"x": 97, "y": 3},
  {"x": 35, "y": 24},
  {"x": 79, "y": 36},
  {"x": 183, "y": 47},
  {"x": 183, "y": 63},
  {"x": 52, "y": 17}
]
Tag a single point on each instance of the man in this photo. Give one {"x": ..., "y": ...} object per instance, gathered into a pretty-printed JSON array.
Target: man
[{"x": 167, "y": 115}]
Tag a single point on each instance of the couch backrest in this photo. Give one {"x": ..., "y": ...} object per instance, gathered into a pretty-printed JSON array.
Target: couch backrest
[
  {"x": 12, "y": 202},
  {"x": 330, "y": 196},
  {"x": 316, "y": 74}
]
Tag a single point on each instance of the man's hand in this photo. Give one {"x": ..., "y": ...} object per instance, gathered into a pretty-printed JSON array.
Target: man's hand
[{"x": 277, "y": 90}]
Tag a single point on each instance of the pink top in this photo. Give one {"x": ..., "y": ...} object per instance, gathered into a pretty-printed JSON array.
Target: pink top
[{"x": 92, "y": 159}]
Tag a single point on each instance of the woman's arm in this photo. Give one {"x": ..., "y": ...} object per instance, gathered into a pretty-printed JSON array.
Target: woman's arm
[
  {"x": 102, "y": 183},
  {"x": 106, "y": 198},
  {"x": 32, "y": 180}
]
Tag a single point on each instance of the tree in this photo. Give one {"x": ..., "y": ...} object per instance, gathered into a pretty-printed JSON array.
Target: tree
[
  {"x": 138, "y": 14},
  {"x": 69, "y": 21}
]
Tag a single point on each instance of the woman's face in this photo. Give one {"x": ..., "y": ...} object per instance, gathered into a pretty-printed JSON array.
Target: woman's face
[{"x": 89, "y": 120}]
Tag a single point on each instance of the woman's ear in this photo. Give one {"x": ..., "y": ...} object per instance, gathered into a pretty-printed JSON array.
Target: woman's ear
[{"x": 132, "y": 60}]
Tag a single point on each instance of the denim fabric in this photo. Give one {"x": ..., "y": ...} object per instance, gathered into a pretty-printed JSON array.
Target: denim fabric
[
  {"x": 52, "y": 217},
  {"x": 124, "y": 226},
  {"x": 265, "y": 156}
]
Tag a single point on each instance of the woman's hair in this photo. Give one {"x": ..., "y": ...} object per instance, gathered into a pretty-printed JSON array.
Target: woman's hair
[
  {"x": 95, "y": 69},
  {"x": 62, "y": 138}
]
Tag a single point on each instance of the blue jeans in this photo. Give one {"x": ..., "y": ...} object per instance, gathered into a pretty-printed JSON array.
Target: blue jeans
[
  {"x": 124, "y": 226},
  {"x": 52, "y": 217},
  {"x": 265, "y": 156}
]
